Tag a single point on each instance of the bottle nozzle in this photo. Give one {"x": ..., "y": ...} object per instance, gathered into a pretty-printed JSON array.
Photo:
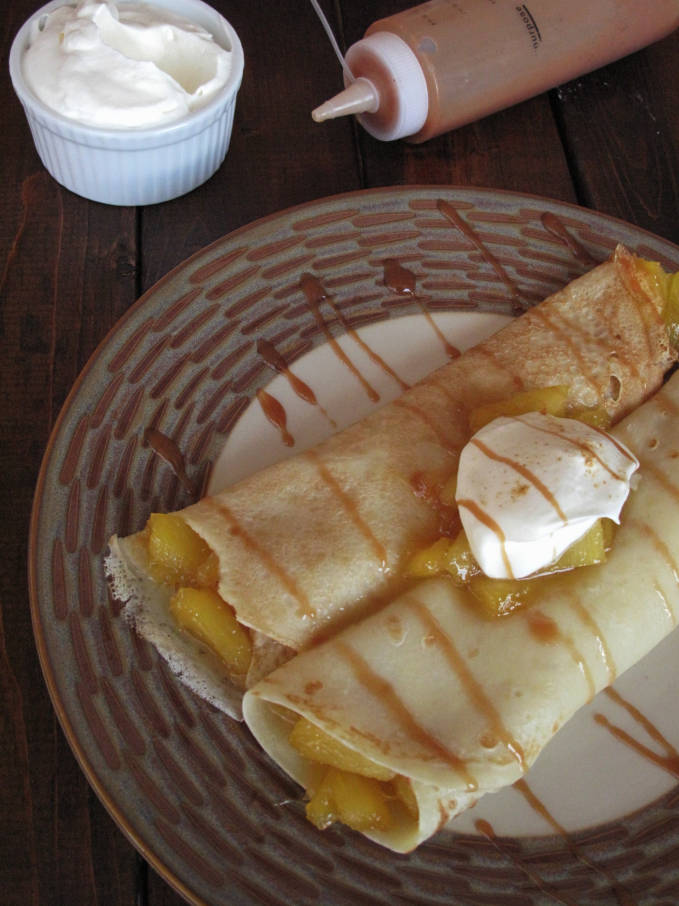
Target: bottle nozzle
[{"x": 359, "y": 97}]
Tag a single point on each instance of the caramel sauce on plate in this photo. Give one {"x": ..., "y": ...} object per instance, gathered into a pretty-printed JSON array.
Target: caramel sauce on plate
[
  {"x": 667, "y": 760},
  {"x": 401, "y": 280},
  {"x": 277, "y": 362},
  {"x": 315, "y": 295},
  {"x": 556, "y": 227},
  {"x": 485, "y": 828},
  {"x": 169, "y": 451},
  {"x": 275, "y": 412},
  {"x": 454, "y": 217}
]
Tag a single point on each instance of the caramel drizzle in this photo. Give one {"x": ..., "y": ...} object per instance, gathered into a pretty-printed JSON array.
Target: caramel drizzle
[
  {"x": 557, "y": 228},
  {"x": 647, "y": 531},
  {"x": 370, "y": 352},
  {"x": 485, "y": 828},
  {"x": 666, "y": 604},
  {"x": 449, "y": 212},
  {"x": 389, "y": 699},
  {"x": 275, "y": 360},
  {"x": 400, "y": 280},
  {"x": 647, "y": 312},
  {"x": 541, "y": 809},
  {"x": 304, "y": 608},
  {"x": 490, "y": 523},
  {"x": 668, "y": 762},
  {"x": 502, "y": 366},
  {"x": 584, "y": 447},
  {"x": 565, "y": 338},
  {"x": 546, "y": 630},
  {"x": 350, "y": 507},
  {"x": 593, "y": 626},
  {"x": 525, "y": 473},
  {"x": 170, "y": 453},
  {"x": 564, "y": 335},
  {"x": 451, "y": 351},
  {"x": 473, "y": 689},
  {"x": 275, "y": 412},
  {"x": 315, "y": 294},
  {"x": 424, "y": 417},
  {"x": 648, "y": 726},
  {"x": 538, "y": 806},
  {"x": 439, "y": 382}
]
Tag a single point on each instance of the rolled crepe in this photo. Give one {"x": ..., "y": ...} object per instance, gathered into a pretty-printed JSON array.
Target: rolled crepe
[
  {"x": 312, "y": 543},
  {"x": 461, "y": 704}
]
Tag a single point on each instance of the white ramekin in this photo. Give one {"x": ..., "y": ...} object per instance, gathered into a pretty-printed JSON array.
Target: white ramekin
[{"x": 135, "y": 166}]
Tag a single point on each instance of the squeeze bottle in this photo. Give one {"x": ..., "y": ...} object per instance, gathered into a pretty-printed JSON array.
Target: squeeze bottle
[{"x": 445, "y": 63}]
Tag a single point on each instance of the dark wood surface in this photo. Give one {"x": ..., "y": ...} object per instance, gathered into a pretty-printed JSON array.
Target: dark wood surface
[{"x": 69, "y": 268}]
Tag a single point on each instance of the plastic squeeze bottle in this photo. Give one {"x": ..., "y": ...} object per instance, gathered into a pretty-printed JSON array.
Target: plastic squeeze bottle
[{"x": 445, "y": 63}]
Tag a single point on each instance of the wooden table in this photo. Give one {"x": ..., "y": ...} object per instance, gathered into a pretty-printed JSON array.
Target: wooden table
[{"x": 70, "y": 268}]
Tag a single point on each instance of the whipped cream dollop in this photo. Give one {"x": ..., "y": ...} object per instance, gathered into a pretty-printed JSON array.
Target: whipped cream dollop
[
  {"x": 529, "y": 486},
  {"x": 122, "y": 66}
]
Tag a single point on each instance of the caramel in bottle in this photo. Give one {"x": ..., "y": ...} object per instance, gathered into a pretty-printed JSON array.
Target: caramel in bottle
[{"x": 444, "y": 63}]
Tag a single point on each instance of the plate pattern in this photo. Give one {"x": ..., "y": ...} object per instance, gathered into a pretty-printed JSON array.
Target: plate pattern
[{"x": 188, "y": 786}]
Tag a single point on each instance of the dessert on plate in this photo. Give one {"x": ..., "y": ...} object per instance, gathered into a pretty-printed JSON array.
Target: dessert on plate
[
  {"x": 234, "y": 585},
  {"x": 449, "y": 692}
]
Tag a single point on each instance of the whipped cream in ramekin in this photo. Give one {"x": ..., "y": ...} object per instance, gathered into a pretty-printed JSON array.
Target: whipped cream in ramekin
[
  {"x": 529, "y": 486},
  {"x": 122, "y": 65}
]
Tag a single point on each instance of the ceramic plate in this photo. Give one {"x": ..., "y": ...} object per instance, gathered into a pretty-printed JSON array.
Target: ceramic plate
[{"x": 407, "y": 278}]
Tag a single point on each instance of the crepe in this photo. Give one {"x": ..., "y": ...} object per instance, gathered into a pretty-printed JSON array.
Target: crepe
[
  {"x": 312, "y": 543},
  {"x": 461, "y": 704}
]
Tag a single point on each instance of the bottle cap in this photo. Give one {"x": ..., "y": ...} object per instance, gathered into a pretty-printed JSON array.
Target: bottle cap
[
  {"x": 358, "y": 97},
  {"x": 396, "y": 75}
]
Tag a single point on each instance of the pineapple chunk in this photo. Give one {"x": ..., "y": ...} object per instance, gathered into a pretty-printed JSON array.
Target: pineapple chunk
[
  {"x": 552, "y": 400},
  {"x": 659, "y": 277},
  {"x": 668, "y": 286},
  {"x": 361, "y": 803},
  {"x": 177, "y": 554},
  {"x": 671, "y": 310},
  {"x": 500, "y": 597},
  {"x": 586, "y": 551},
  {"x": 609, "y": 529},
  {"x": 461, "y": 564},
  {"x": 596, "y": 416},
  {"x": 316, "y": 745},
  {"x": 430, "y": 561},
  {"x": 204, "y": 614},
  {"x": 445, "y": 555}
]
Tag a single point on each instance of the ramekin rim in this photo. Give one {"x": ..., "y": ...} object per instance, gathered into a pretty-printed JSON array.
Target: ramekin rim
[{"x": 194, "y": 122}]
